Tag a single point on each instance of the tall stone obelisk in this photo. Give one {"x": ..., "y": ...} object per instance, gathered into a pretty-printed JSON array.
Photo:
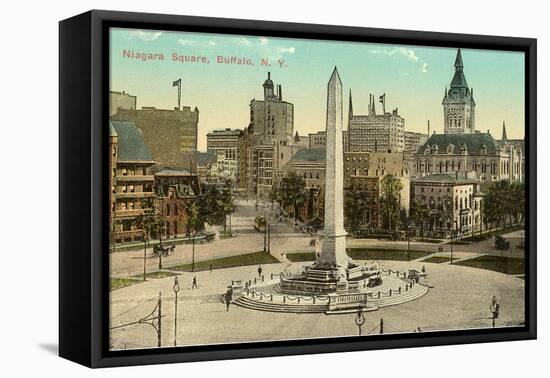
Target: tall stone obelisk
[{"x": 333, "y": 250}]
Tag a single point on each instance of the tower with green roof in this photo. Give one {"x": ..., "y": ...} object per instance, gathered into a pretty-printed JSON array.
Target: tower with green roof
[{"x": 458, "y": 102}]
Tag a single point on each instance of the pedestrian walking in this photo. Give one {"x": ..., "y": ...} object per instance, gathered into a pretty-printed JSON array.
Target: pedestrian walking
[
  {"x": 259, "y": 271},
  {"x": 228, "y": 297},
  {"x": 194, "y": 283}
]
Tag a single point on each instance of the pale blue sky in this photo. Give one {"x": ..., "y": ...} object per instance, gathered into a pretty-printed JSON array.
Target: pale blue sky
[{"x": 413, "y": 78}]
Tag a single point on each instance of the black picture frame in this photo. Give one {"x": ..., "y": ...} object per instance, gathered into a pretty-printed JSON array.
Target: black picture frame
[{"x": 83, "y": 204}]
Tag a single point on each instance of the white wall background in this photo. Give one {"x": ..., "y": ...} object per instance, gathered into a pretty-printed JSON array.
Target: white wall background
[{"x": 29, "y": 190}]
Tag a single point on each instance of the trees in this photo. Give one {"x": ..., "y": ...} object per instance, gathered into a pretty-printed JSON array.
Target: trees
[
  {"x": 227, "y": 203},
  {"x": 419, "y": 214},
  {"x": 211, "y": 205},
  {"x": 354, "y": 207},
  {"x": 274, "y": 195},
  {"x": 390, "y": 197},
  {"x": 148, "y": 221},
  {"x": 214, "y": 205},
  {"x": 293, "y": 192},
  {"x": 151, "y": 225},
  {"x": 517, "y": 191},
  {"x": 504, "y": 201}
]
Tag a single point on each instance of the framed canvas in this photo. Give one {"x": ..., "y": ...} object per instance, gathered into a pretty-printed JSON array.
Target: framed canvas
[{"x": 376, "y": 202}]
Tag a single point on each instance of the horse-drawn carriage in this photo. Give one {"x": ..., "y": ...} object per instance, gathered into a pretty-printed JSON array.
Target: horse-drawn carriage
[
  {"x": 501, "y": 243},
  {"x": 160, "y": 250}
]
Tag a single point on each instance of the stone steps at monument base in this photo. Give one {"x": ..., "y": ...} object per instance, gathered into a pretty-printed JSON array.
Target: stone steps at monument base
[
  {"x": 414, "y": 293},
  {"x": 265, "y": 305},
  {"x": 279, "y": 307}
]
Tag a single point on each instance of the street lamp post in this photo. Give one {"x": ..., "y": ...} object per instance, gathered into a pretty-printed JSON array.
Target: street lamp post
[
  {"x": 453, "y": 230},
  {"x": 268, "y": 238},
  {"x": 265, "y": 228},
  {"x": 409, "y": 241},
  {"x": 360, "y": 319},
  {"x": 144, "y": 255},
  {"x": 494, "y": 308},
  {"x": 176, "y": 290},
  {"x": 193, "y": 251},
  {"x": 161, "y": 226}
]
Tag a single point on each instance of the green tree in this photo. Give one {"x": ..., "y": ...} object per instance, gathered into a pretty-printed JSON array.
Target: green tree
[
  {"x": 354, "y": 207},
  {"x": 274, "y": 195},
  {"x": 194, "y": 216},
  {"x": 499, "y": 202},
  {"x": 195, "y": 213},
  {"x": 517, "y": 192},
  {"x": 148, "y": 221},
  {"x": 419, "y": 214},
  {"x": 293, "y": 192},
  {"x": 212, "y": 206},
  {"x": 227, "y": 203},
  {"x": 390, "y": 193}
]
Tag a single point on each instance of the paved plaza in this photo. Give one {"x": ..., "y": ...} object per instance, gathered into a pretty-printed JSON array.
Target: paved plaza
[{"x": 458, "y": 298}]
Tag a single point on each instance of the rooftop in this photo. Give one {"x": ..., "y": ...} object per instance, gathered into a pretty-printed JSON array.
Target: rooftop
[
  {"x": 131, "y": 146},
  {"x": 304, "y": 154},
  {"x": 473, "y": 143},
  {"x": 445, "y": 178}
]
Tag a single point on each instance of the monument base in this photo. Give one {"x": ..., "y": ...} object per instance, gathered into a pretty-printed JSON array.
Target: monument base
[{"x": 322, "y": 279}]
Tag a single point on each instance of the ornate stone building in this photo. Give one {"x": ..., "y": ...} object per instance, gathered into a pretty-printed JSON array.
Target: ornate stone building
[
  {"x": 453, "y": 203},
  {"x": 458, "y": 102},
  {"x": 131, "y": 180},
  {"x": 461, "y": 149},
  {"x": 266, "y": 145},
  {"x": 272, "y": 118},
  {"x": 478, "y": 156},
  {"x": 175, "y": 189}
]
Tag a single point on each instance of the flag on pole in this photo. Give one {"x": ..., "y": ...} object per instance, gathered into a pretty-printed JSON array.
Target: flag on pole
[
  {"x": 177, "y": 83},
  {"x": 383, "y": 101}
]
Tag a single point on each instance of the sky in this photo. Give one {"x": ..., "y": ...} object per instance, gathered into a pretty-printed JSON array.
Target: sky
[{"x": 412, "y": 77}]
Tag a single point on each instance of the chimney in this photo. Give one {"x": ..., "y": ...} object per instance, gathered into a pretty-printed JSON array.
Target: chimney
[{"x": 280, "y": 92}]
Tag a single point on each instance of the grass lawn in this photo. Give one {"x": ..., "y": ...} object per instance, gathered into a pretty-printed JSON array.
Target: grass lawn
[
  {"x": 255, "y": 258},
  {"x": 437, "y": 259},
  {"x": 119, "y": 283},
  {"x": 385, "y": 254},
  {"x": 301, "y": 256},
  {"x": 365, "y": 254},
  {"x": 157, "y": 275},
  {"x": 508, "y": 265}
]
